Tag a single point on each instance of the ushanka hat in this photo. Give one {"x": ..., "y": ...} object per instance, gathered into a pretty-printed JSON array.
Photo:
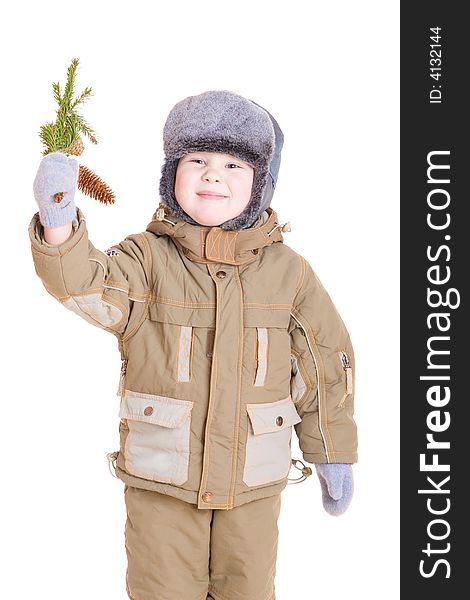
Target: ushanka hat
[{"x": 222, "y": 121}]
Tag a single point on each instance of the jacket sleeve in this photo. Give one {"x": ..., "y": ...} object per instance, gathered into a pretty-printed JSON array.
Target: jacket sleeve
[
  {"x": 323, "y": 375},
  {"x": 108, "y": 289}
]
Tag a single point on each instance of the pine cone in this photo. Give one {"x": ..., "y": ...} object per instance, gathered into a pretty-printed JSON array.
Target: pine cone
[
  {"x": 90, "y": 184},
  {"x": 76, "y": 148}
]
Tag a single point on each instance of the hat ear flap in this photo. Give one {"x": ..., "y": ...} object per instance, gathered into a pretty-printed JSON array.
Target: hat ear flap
[
  {"x": 261, "y": 191},
  {"x": 167, "y": 191}
]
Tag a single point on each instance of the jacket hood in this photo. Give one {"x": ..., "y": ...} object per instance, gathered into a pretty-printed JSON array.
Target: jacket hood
[{"x": 213, "y": 244}]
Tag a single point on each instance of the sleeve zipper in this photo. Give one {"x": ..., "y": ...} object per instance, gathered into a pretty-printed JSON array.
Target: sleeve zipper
[
  {"x": 349, "y": 376},
  {"x": 322, "y": 415}
]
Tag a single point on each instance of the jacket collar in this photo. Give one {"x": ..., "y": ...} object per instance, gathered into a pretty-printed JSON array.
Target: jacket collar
[{"x": 212, "y": 244}]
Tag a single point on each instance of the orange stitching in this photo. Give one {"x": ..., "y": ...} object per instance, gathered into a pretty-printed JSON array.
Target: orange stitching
[
  {"x": 303, "y": 270},
  {"x": 235, "y": 441},
  {"x": 258, "y": 354},
  {"x": 87, "y": 292},
  {"x": 210, "y": 408},
  {"x": 255, "y": 354},
  {"x": 181, "y": 303},
  {"x": 266, "y": 354},
  {"x": 213, "y": 242},
  {"x": 122, "y": 283},
  {"x": 266, "y": 306},
  {"x": 219, "y": 243},
  {"x": 190, "y": 366},
  {"x": 211, "y": 412},
  {"x": 178, "y": 353},
  {"x": 230, "y": 243},
  {"x": 321, "y": 381},
  {"x": 178, "y": 357},
  {"x": 150, "y": 261}
]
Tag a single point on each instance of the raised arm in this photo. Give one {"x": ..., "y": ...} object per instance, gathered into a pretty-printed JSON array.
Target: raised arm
[{"x": 108, "y": 289}]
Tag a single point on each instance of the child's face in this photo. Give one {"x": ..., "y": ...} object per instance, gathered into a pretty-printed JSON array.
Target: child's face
[{"x": 229, "y": 178}]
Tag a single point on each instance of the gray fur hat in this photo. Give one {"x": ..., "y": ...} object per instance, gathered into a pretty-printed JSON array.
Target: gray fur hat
[{"x": 222, "y": 121}]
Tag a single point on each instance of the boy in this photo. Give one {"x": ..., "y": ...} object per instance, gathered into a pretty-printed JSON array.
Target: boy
[{"x": 227, "y": 338}]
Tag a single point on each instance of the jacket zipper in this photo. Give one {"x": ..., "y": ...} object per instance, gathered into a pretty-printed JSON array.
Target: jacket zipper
[
  {"x": 349, "y": 377},
  {"x": 122, "y": 377},
  {"x": 112, "y": 456},
  {"x": 320, "y": 392}
]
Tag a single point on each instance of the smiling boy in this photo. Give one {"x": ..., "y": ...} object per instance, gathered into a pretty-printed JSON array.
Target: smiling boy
[
  {"x": 213, "y": 187},
  {"x": 228, "y": 341}
]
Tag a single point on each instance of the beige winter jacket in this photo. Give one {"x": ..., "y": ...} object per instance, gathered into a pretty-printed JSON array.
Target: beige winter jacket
[{"x": 228, "y": 339}]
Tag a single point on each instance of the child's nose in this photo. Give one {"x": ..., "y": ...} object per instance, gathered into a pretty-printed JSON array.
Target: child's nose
[{"x": 211, "y": 174}]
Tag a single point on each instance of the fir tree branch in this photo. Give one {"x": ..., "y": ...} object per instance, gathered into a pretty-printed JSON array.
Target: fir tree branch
[
  {"x": 65, "y": 131},
  {"x": 86, "y": 129},
  {"x": 46, "y": 134},
  {"x": 69, "y": 87},
  {"x": 83, "y": 96},
  {"x": 57, "y": 94}
]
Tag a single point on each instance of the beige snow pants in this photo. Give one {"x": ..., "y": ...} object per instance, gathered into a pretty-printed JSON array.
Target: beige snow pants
[{"x": 176, "y": 551}]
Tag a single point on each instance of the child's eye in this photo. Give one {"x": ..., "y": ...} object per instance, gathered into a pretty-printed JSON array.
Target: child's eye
[
  {"x": 196, "y": 160},
  {"x": 234, "y": 165}
]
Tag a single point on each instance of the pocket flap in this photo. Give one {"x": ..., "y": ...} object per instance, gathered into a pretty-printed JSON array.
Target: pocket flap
[
  {"x": 257, "y": 317},
  {"x": 151, "y": 408},
  {"x": 180, "y": 315},
  {"x": 273, "y": 416}
]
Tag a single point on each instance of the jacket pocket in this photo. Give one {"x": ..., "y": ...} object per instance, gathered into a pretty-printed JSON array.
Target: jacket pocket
[
  {"x": 157, "y": 443},
  {"x": 268, "y": 444},
  {"x": 180, "y": 337},
  {"x": 348, "y": 377},
  {"x": 268, "y": 344}
]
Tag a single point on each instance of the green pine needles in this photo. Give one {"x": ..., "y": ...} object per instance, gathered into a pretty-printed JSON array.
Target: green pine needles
[{"x": 63, "y": 135}]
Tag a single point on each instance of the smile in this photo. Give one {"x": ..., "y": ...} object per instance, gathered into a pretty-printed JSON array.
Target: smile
[{"x": 207, "y": 196}]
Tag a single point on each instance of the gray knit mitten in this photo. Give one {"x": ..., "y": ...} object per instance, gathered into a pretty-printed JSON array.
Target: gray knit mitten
[
  {"x": 336, "y": 480},
  {"x": 56, "y": 173}
]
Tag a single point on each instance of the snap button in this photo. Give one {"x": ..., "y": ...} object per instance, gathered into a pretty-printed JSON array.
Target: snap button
[
  {"x": 148, "y": 410},
  {"x": 279, "y": 421},
  {"x": 255, "y": 250},
  {"x": 185, "y": 250},
  {"x": 207, "y": 496},
  {"x": 221, "y": 274}
]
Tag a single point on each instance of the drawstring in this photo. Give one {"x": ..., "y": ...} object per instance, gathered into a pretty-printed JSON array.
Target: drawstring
[
  {"x": 160, "y": 216},
  {"x": 306, "y": 472},
  {"x": 112, "y": 457},
  {"x": 284, "y": 227}
]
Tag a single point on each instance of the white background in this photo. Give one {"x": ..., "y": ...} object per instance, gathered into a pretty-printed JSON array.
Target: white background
[{"x": 328, "y": 72}]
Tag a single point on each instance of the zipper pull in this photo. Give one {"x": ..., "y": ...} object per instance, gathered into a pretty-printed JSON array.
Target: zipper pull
[
  {"x": 349, "y": 377},
  {"x": 345, "y": 360},
  {"x": 122, "y": 376}
]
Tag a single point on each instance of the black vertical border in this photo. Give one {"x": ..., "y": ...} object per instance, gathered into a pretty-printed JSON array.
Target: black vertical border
[{"x": 424, "y": 128}]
